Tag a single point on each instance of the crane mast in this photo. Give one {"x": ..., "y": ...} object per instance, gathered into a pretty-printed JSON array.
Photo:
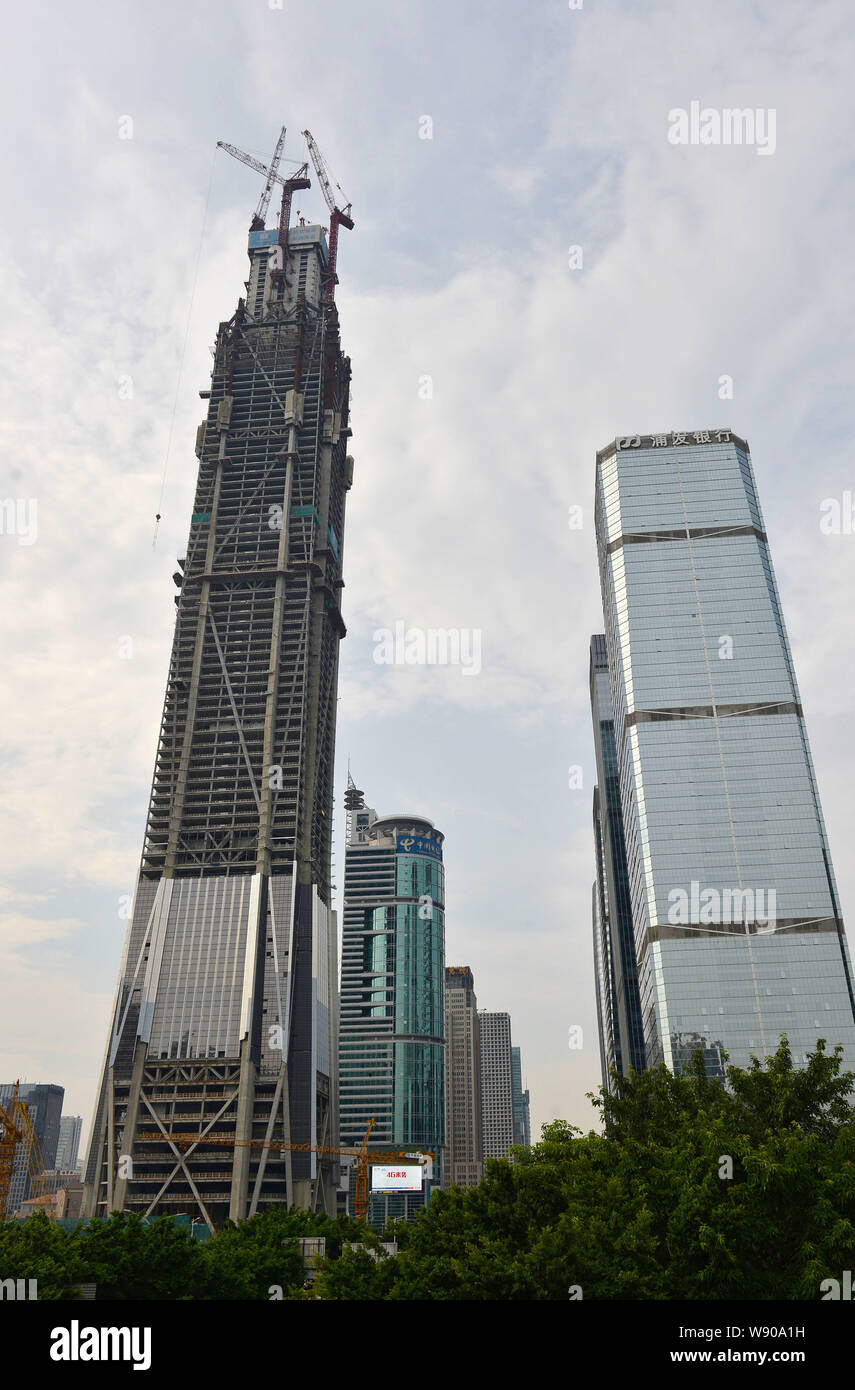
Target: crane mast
[
  {"x": 16, "y": 1129},
  {"x": 264, "y": 201},
  {"x": 271, "y": 172},
  {"x": 339, "y": 216}
]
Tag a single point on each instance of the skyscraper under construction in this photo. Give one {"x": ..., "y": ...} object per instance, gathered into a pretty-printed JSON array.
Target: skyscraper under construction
[{"x": 217, "y": 1094}]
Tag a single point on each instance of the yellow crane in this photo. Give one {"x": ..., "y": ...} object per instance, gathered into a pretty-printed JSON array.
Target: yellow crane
[
  {"x": 363, "y": 1155},
  {"x": 16, "y": 1128}
]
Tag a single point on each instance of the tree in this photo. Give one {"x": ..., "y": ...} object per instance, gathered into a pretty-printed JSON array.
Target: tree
[
  {"x": 694, "y": 1190},
  {"x": 247, "y": 1260},
  {"x": 129, "y": 1258},
  {"x": 39, "y": 1249}
]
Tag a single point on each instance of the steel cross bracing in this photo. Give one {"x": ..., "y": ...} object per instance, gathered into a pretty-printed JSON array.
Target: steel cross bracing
[
  {"x": 166, "y": 1176},
  {"x": 227, "y": 714},
  {"x": 251, "y": 688}
]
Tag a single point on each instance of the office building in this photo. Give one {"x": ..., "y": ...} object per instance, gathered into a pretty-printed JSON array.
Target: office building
[
  {"x": 392, "y": 1019},
  {"x": 522, "y": 1120},
  {"x": 736, "y": 919},
  {"x": 464, "y": 1153},
  {"x": 497, "y": 1098},
  {"x": 70, "y": 1127}
]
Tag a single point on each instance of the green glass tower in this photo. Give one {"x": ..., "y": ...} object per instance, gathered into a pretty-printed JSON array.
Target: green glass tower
[{"x": 392, "y": 1011}]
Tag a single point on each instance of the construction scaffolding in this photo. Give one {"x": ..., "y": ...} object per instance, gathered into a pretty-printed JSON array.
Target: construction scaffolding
[{"x": 225, "y": 1004}]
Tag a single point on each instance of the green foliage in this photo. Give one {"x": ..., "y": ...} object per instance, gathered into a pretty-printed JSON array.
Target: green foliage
[
  {"x": 356, "y": 1275},
  {"x": 128, "y": 1258},
  {"x": 38, "y": 1249},
  {"x": 646, "y": 1210},
  {"x": 246, "y": 1261}
]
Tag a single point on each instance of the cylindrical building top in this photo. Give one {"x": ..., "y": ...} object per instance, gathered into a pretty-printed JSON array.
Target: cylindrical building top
[{"x": 408, "y": 824}]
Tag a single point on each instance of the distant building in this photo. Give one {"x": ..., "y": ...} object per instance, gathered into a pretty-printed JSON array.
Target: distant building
[
  {"x": 70, "y": 1127},
  {"x": 44, "y": 1107},
  {"x": 522, "y": 1122},
  {"x": 497, "y": 1100},
  {"x": 64, "y": 1198},
  {"x": 392, "y": 1014},
  {"x": 464, "y": 1154},
  {"x": 69, "y": 1198}
]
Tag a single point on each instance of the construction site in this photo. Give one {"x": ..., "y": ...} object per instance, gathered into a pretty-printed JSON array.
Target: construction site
[
  {"x": 20, "y": 1154},
  {"x": 217, "y": 1094}
]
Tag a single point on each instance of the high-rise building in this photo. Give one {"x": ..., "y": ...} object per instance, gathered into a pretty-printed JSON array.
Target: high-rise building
[
  {"x": 464, "y": 1153},
  {"x": 392, "y": 1021},
  {"x": 224, "y": 1021},
  {"x": 616, "y": 974},
  {"x": 737, "y": 924},
  {"x": 522, "y": 1119},
  {"x": 44, "y": 1108},
  {"x": 497, "y": 1097},
  {"x": 70, "y": 1127}
]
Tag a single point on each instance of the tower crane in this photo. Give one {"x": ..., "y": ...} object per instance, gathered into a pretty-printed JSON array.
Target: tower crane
[
  {"x": 363, "y": 1155},
  {"x": 299, "y": 179},
  {"x": 11, "y": 1135},
  {"x": 339, "y": 216},
  {"x": 17, "y": 1128},
  {"x": 260, "y": 216}
]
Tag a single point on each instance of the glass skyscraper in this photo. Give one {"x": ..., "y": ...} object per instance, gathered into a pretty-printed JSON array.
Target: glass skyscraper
[
  {"x": 735, "y": 916},
  {"x": 522, "y": 1122},
  {"x": 392, "y": 1020},
  {"x": 70, "y": 1128},
  {"x": 616, "y": 976}
]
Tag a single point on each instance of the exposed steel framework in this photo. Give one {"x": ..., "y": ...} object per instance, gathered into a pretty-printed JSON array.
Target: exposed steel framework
[{"x": 225, "y": 1002}]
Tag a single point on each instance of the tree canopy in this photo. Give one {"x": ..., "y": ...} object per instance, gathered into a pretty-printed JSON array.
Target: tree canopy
[{"x": 693, "y": 1190}]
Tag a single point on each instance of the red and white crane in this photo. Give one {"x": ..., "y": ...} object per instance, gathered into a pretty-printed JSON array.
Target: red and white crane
[
  {"x": 271, "y": 171},
  {"x": 339, "y": 216}
]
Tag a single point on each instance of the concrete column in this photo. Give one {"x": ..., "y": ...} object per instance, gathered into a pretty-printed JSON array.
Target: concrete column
[{"x": 121, "y": 1186}]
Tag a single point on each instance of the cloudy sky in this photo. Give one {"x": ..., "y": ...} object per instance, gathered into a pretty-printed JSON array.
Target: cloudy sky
[{"x": 549, "y": 131}]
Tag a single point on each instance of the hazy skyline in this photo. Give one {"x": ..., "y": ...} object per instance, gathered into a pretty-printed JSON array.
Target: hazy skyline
[{"x": 549, "y": 131}]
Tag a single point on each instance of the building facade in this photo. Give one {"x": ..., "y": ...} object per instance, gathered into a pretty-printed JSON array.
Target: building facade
[
  {"x": 392, "y": 1011},
  {"x": 224, "y": 1020},
  {"x": 70, "y": 1128},
  {"x": 615, "y": 973},
  {"x": 522, "y": 1118},
  {"x": 736, "y": 919},
  {"x": 63, "y": 1195},
  {"x": 464, "y": 1154},
  {"x": 497, "y": 1098}
]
